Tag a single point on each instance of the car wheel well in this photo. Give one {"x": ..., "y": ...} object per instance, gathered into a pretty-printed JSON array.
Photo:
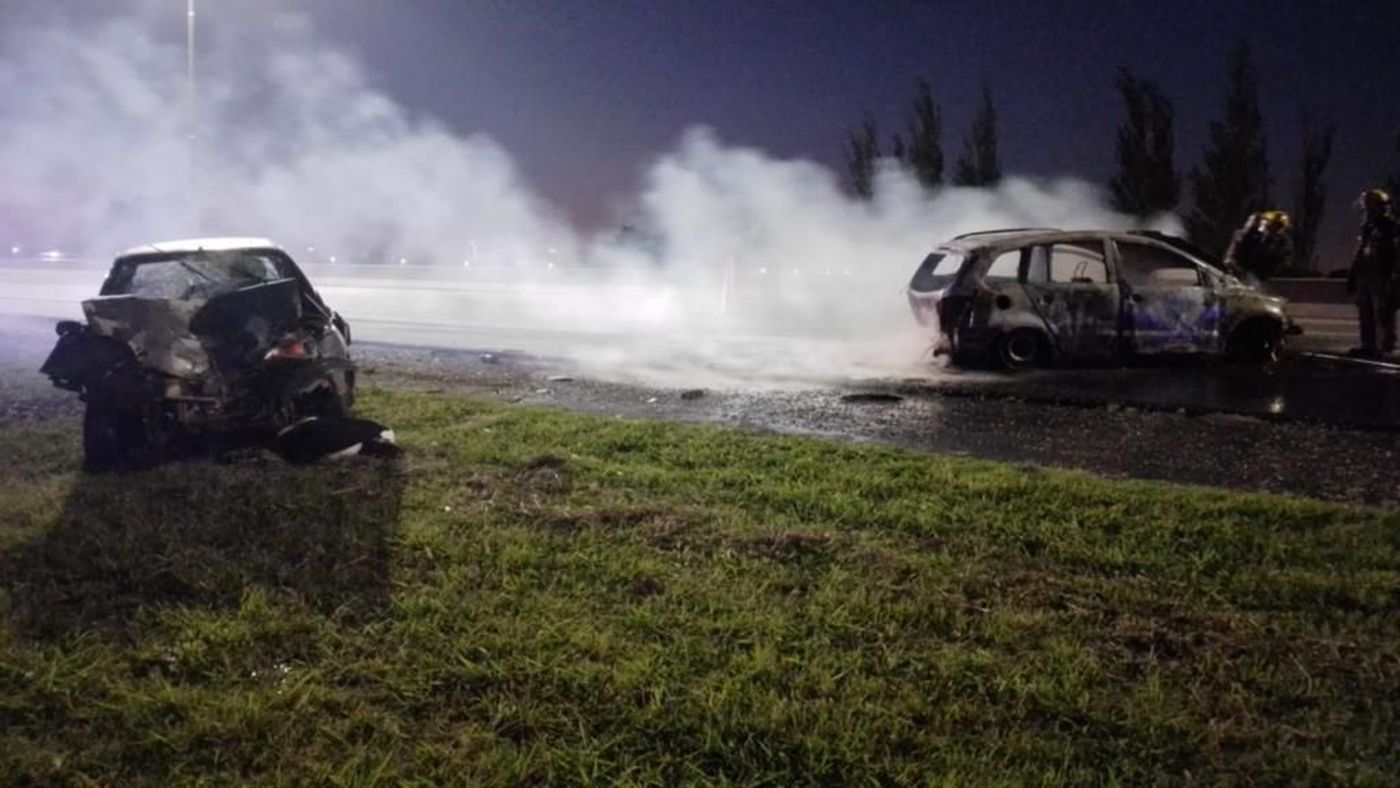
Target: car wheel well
[{"x": 1254, "y": 340}]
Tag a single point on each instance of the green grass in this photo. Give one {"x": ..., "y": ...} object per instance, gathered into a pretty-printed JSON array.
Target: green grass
[{"x": 539, "y": 597}]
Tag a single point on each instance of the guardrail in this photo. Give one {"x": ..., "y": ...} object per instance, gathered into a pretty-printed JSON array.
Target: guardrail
[{"x": 1313, "y": 290}]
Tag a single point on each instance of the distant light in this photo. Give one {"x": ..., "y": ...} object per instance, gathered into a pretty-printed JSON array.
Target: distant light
[
  {"x": 848, "y": 273},
  {"x": 466, "y": 263},
  {"x": 403, "y": 260},
  {"x": 52, "y": 254},
  {"x": 795, "y": 272},
  {"x": 332, "y": 258},
  {"x": 551, "y": 266},
  {"x": 311, "y": 249},
  {"x": 14, "y": 249},
  {"x": 763, "y": 270},
  {"x": 1277, "y": 405}
]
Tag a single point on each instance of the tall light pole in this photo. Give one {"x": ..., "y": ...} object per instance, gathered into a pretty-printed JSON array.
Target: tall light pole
[{"x": 192, "y": 135}]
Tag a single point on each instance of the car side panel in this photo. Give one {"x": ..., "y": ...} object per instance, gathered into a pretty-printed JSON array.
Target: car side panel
[{"x": 1082, "y": 319}]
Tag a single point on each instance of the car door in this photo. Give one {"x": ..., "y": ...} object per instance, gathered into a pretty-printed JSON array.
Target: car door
[
  {"x": 1072, "y": 287},
  {"x": 1169, "y": 305}
]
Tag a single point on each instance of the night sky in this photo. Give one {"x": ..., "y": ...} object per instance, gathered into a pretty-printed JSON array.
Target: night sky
[{"x": 584, "y": 94}]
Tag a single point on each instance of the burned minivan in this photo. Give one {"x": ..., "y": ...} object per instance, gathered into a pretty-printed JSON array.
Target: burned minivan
[
  {"x": 1029, "y": 297},
  {"x": 200, "y": 339}
]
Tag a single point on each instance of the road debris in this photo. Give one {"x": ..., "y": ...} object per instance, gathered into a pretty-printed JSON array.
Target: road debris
[
  {"x": 316, "y": 439},
  {"x": 877, "y": 397}
]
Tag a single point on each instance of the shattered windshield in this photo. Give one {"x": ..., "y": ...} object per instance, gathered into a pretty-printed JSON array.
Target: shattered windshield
[{"x": 201, "y": 276}]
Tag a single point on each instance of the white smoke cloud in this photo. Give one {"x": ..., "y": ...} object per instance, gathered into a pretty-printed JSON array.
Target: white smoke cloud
[{"x": 293, "y": 142}]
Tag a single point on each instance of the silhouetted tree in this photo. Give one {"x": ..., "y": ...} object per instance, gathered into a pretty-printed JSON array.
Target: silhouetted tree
[
  {"x": 925, "y": 151},
  {"x": 862, "y": 149},
  {"x": 1310, "y": 201},
  {"x": 1232, "y": 181},
  {"x": 898, "y": 152},
  {"x": 979, "y": 165},
  {"x": 1147, "y": 182}
]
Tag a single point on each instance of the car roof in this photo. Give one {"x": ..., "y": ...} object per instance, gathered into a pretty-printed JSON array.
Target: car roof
[
  {"x": 994, "y": 239},
  {"x": 1020, "y": 236},
  {"x": 1015, "y": 238},
  {"x": 191, "y": 245}
]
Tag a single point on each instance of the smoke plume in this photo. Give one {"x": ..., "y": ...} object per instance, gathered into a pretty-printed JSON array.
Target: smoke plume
[{"x": 732, "y": 260}]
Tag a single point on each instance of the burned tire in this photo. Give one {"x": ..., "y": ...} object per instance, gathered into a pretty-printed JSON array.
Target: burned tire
[
  {"x": 1022, "y": 348},
  {"x": 1254, "y": 342},
  {"x": 114, "y": 439},
  {"x": 313, "y": 392}
]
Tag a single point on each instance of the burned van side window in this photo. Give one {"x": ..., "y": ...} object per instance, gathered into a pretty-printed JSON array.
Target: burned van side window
[
  {"x": 923, "y": 278},
  {"x": 1068, "y": 263},
  {"x": 1151, "y": 266},
  {"x": 1007, "y": 266},
  {"x": 937, "y": 271}
]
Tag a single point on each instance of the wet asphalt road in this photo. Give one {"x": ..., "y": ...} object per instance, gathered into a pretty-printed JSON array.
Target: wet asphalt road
[
  {"x": 1048, "y": 419},
  {"x": 1313, "y": 426},
  {"x": 1312, "y": 387}
]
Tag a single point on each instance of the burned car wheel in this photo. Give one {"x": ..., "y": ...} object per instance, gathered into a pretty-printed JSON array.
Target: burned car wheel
[
  {"x": 114, "y": 439},
  {"x": 1022, "y": 348}
]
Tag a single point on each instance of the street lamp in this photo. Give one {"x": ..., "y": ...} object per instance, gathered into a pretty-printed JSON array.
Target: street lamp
[{"x": 192, "y": 136}]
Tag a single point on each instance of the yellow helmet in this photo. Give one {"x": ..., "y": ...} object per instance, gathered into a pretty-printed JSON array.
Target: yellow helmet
[
  {"x": 1377, "y": 196},
  {"x": 1276, "y": 219}
]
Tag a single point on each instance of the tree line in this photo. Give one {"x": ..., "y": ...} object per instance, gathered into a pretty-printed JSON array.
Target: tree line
[{"x": 1231, "y": 181}]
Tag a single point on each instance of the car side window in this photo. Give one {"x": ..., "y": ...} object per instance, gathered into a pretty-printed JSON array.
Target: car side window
[
  {"x": 1068, "y": 263},
  {"x": 1151, "y": 266},
  {"x": 1006, "y": 266}
]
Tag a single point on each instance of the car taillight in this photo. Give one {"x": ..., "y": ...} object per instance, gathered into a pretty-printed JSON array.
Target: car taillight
[{"x": 289, "y": 349}]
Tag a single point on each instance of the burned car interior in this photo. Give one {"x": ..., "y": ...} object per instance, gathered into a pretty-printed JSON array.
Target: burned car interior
[{"x": 188, "y": 345}]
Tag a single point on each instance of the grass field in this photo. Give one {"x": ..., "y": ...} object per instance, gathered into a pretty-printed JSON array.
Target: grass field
[{"x": 538, "y": 597}]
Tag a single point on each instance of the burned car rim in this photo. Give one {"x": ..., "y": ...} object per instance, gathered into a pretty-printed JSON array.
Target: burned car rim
[{"x": 1021, "y": 349}]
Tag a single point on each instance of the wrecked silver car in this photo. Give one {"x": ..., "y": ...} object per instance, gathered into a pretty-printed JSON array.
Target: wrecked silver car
[
  {"x": 192, "y": 340},
  {"x": 1030, "y": 297}
]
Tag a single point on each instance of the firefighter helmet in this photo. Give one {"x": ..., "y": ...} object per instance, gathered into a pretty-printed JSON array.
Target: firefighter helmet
[
  {"x": 1275, "y": 220},
  {"x": 1379, "y": 197}
]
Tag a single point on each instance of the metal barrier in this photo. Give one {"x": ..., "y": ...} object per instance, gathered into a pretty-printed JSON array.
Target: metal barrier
[{"x": 1313, "y": 290}]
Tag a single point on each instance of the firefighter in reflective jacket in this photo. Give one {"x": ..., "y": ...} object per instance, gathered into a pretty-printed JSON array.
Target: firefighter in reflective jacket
[
  {"x": 1262, "y": 246},
  {"x": 1374, "y": 272}
]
